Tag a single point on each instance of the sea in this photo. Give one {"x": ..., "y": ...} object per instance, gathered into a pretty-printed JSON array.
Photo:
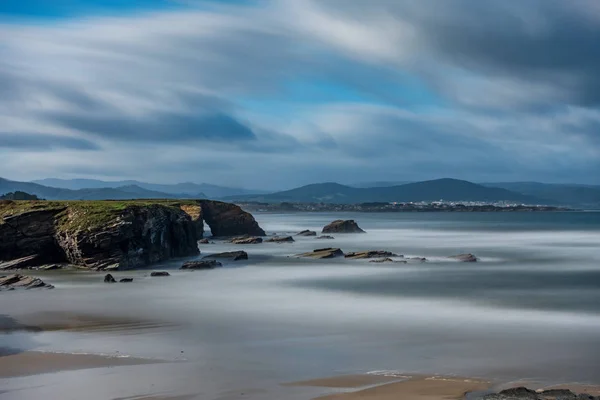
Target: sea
[{"x": 528, "y": 310}]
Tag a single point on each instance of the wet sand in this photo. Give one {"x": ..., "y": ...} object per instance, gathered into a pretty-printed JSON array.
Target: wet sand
[
  {"x": 415, "y": 388},
  {"x": 33, "y": 363}
]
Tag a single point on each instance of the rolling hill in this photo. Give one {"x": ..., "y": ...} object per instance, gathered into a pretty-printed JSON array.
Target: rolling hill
[
  {"x": 564, "y": 194},
  {"x": 186, "y": 188},
  {"x": 439, "y": 189},
  {"x": 119, "y": 193}
]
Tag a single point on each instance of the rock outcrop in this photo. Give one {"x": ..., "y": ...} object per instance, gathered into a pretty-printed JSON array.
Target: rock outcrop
[
  {"x": 323, "y": 253},
  {"x": 18, "y": 281},
  {"x": 205, "y": 264},
  {"x": 343, "y": 226},
  {"x": 280, "y": 239},
  {"x": 464, "y": 257},
  {"x": 522, "y": 393},
  {"x": 159, "y": 273},
  {"x": 388, "y": 260},
  {"x": 325, "y": 237},
  {"x": 108, "y": 278},
  {"x": 225, "y": 219},
  {"x": 306, "y": 233},
  {"x": 110, "y": 235},
  {"x": 370, "y": 254},
  {"x": 233, "y": 255},
  {"x": 246, "y": 240}
]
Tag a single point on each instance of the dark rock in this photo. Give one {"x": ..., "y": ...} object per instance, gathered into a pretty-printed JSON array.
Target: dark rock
[
  {"x": 323, "y": 253},
  {"x": 50, "y": 267},
  {"x": 18, "y": 281},
  {"x": 110, "y": 236},
  {"x": 464, "y": 257},
  {"x": 246, "y": 240},
  {"x": 419, "y": 259},
  {"x": 370, "y": 254},
  {"x": 126, "y": 280},
  {"x": 281, "y": 239},
  {"x": 306, "y": 233},
  {"x": 325, "y": 237},
  {"x": 20, "y": 263},
  {"x": 234, "y": 255},
  {"x": 518, "y": 393},
  {"x": 388, "y": 260},
  {"x": 203, "y": 241},
  {"x": 342, "y": 226},
  {"x": 227, "y": 219},
  {"x": 557, "y": 394},
  {"x": 108, "y": 278},
  {"x": 206, "y": 264},
  {"x": 159, "y": 273}
]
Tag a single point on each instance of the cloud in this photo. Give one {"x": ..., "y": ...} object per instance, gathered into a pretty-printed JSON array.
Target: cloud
[
  {"x": 413, "y": 90},
  {"x": 41, "y": 142}
]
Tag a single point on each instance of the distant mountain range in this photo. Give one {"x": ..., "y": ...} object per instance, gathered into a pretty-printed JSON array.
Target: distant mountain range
[
  {"x": 581, "y": 196},
  {"x": 119, "y": 193},
  {"x": 566, "y": 194},
  {"x": 186, "y": 188},
  {"x": 439, "y": 189}
]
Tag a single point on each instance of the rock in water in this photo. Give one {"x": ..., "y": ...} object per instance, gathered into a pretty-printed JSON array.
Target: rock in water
[
  {"x": 343, "y": 226},
  {"x": 557, "y": 394},
  {"x": 206, "y": 264},
  {"x": 227, "y": 219},
  {"x": 281, "y": 239},
  {"x": 159, "y": 273},
  {"x": 464, "y": 257},
  {"x": 234, "y": 255},
  {"x": 18, "y": 281},
  {"x": 323, "y": 253},
  {"x": 126, "y": 280},
  {"x": 370, "y": 254},
  {"x": 325, "y": 237},
  {"x": 246, "y": 240},
  {"x": 518, "y": 393},
  {"x": 203, "y": 241},
  {"x": 306, "y": 233},
  {"x": 108, "y": 278}
]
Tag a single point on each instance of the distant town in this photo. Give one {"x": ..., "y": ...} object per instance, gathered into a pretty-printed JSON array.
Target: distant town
[{"x": 422, "y": 206}]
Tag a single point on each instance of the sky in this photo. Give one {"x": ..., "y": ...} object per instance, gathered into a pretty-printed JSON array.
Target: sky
[{"x": 273, "y": 94}]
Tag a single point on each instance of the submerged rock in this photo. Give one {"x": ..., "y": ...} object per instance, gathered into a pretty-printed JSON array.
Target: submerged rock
[
  {"x": 205, "y": 264},
  {"x": 306, "y": 233},
  {"x": 323, "y": 253},
  {"x": 126, "y": 280},
  {"x": 370, "y": 254},
  {"x": 18, "y": 281},
  {"x": 325, "y": 237},
  {"x": 108, "y": 278},
  {"x": 388, "y": 260},
  {"x": 280, "y": 239},
  {"x": 343, "y": 226},
  {"x": 233, "y": 255},
  {"x": 159, "y": 273},
  {"x": 203, "y": 241},
  {"x": 246, "y": 240},
  {"x": 464, "y": 257},
  {"x": 418, "y": 259}
]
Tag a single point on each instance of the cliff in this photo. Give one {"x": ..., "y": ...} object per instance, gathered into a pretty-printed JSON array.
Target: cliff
[{"x": 113, "y": 234}]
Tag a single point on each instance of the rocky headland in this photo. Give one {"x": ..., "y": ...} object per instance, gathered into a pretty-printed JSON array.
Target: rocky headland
[{"x": 112, "y": 235}]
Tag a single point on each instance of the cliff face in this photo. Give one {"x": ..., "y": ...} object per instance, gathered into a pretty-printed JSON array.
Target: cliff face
[{"x": 114, "y": 235}]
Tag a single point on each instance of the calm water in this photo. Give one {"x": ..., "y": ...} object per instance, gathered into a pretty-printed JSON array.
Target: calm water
[{"x": 529, "y": 309}]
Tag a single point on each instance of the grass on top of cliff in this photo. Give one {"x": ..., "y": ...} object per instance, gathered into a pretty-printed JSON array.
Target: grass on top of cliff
[{"x": 82, "y": 214}]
